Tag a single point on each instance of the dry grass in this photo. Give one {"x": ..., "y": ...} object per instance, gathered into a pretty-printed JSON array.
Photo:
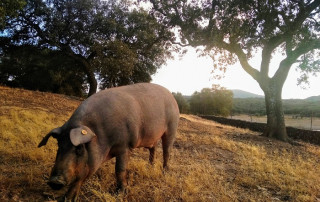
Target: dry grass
[{"x": 210, "y": 161}]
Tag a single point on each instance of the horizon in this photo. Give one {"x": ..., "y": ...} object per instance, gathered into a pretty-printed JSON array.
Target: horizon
[{"x": 258, "y": 96}]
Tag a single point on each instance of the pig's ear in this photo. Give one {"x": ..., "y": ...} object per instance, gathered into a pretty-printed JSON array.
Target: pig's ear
[
  {"x": 81, "y": 135},
  {"x": 54, "y": 133}
]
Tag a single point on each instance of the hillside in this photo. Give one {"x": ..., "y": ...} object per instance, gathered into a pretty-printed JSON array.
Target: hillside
[
  {"x": 210, "y": 161},
  {"x": 304, "y": 107},
  {"x": 236, "y": 94},
  {"x": 244, "y": 94},
  {"x": 314, "y": 98}
]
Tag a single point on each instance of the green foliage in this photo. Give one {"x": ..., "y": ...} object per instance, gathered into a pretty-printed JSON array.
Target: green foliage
[
  {"x": 135, "y": 53},
  {"x": 309, "y": 65},
  {"x": 252, "y": 106},
  {"x": 183, "y": 104},
  {"x": 211, "y": 102},
  {"x": 108, "y": 39},
  {"x": 304, "y": 108},
  {"x": 222, "y": 102},
  {"x": 239, "y": 28},
  {"x": 9, "y": 9},
  {"x": 233, "y": 30},
  {"x": 41, "y": 69}
]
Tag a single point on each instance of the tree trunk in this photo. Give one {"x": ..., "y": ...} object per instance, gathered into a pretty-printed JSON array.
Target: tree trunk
[
  {"x": 92, "y": 82},
  {"x": 93, "y": 85},
  {"x": 275, "y": 117}
]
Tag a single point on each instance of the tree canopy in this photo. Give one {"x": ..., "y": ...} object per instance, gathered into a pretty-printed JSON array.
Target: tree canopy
[
  {"x": 184, "y": 107},
  {"x": 109, "y": 40},
  {"x": 9, "y": 9},
  {"x": 32, "y": 68},
  {"x": 212, "y": 102},
  {"x": 235, "y": 30}
]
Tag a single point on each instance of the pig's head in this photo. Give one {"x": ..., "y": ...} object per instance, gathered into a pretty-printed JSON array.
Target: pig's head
[{"x": 71, "y": 166}]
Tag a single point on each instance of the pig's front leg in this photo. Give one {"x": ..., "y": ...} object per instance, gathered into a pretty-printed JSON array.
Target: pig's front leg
[{"x": 121, "y": 171}]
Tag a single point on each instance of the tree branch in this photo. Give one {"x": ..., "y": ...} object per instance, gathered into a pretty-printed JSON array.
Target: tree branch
[
  {"x": 265, "y": 60},
  {"x": 236, "y": 49},
  {"x": 304, "y": 47},
  {"x": 286, "y": 36},
  {"x": 180, "y": 44}
]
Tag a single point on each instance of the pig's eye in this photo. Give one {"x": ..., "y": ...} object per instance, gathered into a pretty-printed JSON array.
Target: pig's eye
[{"x": 79, "y": 150}]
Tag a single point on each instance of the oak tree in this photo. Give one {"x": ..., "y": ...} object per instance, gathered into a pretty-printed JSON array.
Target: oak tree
[
  {"x": 237, "y": 30},
  {"x": 113, "y": 42},
  {"x": 26, "y": 66}
]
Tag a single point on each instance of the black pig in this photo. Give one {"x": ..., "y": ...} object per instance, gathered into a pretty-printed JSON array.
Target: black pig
[{"x": 110, "y": 124}]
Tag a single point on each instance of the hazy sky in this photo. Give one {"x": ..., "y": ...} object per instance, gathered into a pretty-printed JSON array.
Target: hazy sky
[{"x": 192, "y": 73}]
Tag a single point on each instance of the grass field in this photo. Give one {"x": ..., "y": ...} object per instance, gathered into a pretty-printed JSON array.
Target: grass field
[
  {"x": 302, "y": 123},
  {"x": 210, "y": 161}
]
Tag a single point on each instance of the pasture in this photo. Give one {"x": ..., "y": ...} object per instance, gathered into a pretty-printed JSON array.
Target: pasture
[
  {"x": 296, "y": 122},
  {"x": 209, "y": 161}
]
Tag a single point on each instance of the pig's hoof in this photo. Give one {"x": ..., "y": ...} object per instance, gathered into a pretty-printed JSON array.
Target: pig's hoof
[
  {"x": 121, "y": 190},
  {"x": 165, "y": 170}
]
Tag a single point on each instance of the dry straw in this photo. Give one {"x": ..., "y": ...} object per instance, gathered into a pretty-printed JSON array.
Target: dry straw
[{"x": 209, "y": 162}]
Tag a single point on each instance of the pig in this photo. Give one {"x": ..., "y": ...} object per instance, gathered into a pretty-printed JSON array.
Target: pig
[{"x": 110, "y": 124}]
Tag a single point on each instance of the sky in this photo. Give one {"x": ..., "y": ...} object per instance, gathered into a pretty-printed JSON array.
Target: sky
[{"x": 192, "y": 73}]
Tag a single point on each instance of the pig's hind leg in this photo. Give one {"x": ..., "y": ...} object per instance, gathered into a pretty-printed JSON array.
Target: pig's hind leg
[
  {"x": 167, "y": 143},
  {"x": 152, "y": 151}
]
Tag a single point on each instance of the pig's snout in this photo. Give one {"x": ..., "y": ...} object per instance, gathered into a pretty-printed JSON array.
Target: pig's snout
[{"x": 56, "y": 182}]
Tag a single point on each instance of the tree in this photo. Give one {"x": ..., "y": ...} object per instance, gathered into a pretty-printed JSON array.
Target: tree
[
  {"x": 211, "y": 102},
  {"x": 107, "y": 39},
  {"x": 47, "y": 70},
  {"x": 235, "y": 30},
  {"x": 182, "y": 103},
  {"x": 202, "y": 102},
  {"x": 223, "y": 102}
]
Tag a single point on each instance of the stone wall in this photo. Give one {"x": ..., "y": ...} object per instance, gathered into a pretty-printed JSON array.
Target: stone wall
[{"x": 312, "y": 137}]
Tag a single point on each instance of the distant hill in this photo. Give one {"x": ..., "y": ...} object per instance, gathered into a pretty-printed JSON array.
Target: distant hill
[
  {"x": 244, "y": 94},
  {"x": 236, "y": 94},
  {"x": 313, "y": 98}
]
